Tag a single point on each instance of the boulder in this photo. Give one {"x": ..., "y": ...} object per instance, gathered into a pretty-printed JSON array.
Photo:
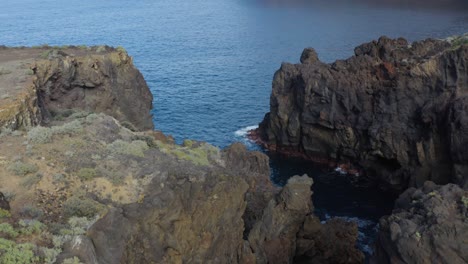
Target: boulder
[
  {"x": 273, "y": 238},
  {"x": 428, "y": 225},
  {"x": 4, "y": 204},
  {"x": 332, "y": 242}
]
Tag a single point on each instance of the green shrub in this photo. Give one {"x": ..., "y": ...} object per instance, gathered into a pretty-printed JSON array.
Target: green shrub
[
  {"x": 3, "y": 71},
  {"x": 22, "y": 169},
  {"x": 464, "y": 201},
  {"x": 5, "y": 132},
  {"x": 87, "y": 174},
  {"x": 71, "y": 128},
  {"x": 73, "y": 260},
  {"x": 8, "y": 230},
  {"x": 50, "y": 254},
  {"x": 28, "y": 182},
  {"x": 101, "y": 49},
  {"x": 43, "y": 135},
  {"x": 45, "y": 54},
  {"x": 460, "y": 41},
  {"x": 40, "y": 135},
  {"x": 81, "y": 207},
  {"x": 4, "y": 213},
  {"x": 134, "y": 148},
  {"x": 29, "y": 72},
  {"x": 12, "y": 253},
  {"x": 77, "y": 226},
  {"x": 188, "y": 143},
  {"x": 29, "y": 227},
  {"x": 30, "y": 211},
  {"x": 121, "y": 49}
]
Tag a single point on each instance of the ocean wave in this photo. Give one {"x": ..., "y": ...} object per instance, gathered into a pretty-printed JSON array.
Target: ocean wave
[{"x": 243, "y": 131}]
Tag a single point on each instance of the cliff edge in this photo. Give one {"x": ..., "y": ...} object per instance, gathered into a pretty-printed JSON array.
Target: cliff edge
[
  {"x": 83, "y": 180},
  {"x": 397, "y": 110},
  {"x": 40, "y": 83}
]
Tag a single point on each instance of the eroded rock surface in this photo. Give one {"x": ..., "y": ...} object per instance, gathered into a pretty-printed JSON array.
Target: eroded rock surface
[
  {"x": 105, "y": 82},
  {"x": 397, "y": 109},
  {"x": 332, "y": 242},
  {"x": 40, "y": 83},
  {"x": 428, "y": 225},
  {"x": 88, "y": 186}
]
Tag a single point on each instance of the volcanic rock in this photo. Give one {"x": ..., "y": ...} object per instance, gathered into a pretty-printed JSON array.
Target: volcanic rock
[
  {"x": 428, "y": 225},
  {"x": 398, "y": 110}
]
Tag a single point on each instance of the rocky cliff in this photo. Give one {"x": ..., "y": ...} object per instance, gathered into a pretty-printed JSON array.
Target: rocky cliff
[
  {"x": 50, "y": 81},
  {"x": 396, "y": 109},
  {"x": 88, "y": 186}
]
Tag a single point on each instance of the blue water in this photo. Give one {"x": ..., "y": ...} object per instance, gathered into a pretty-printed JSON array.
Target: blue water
[{"x": 210, "y": 63}]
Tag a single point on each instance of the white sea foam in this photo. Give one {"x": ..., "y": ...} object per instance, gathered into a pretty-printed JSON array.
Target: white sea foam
[
  {"x": 340, "y": 171},
  {"x": 243, "y": 131}
]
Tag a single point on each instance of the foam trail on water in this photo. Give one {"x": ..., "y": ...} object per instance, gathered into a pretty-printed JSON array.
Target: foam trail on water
[
  {"x": 243, "y": 131},
  {"x": 241, "y": 135}
]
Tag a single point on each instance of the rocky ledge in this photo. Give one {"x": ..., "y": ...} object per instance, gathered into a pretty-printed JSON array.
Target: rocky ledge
[
  {"x": 397, "y": 110},
  {"x": 40, "y": 83},
  {"x": 82, "y": 180},
  {"x": 428, "y": 225}
]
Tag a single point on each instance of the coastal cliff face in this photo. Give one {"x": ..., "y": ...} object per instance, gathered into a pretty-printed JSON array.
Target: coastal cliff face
[
  {"x": 104, "y": 81},
  {"x": 87, "y": 186},
  {"x": 43, "y": 83},
  {"x": 396, "y": 109}
]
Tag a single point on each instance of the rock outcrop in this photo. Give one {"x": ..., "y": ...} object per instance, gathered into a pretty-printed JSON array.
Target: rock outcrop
[
  {"x": 428, "y": 225},
  {"x": 4, "y": 204},
  {"x": 333, "y": 242},
  {"x": 106, "y": 82},
  {"x": 398, "y": 110},
  {"x": 57, "y": 80},
  {"x": 89, "y": 186},
  {"x": 273, "y": 237}
]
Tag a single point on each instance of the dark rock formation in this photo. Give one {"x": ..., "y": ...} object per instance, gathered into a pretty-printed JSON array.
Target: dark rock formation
[
  {"x": 200, "y": 221},
  {"x": 255, "y": 170},
  {"x": 81, "y": 247},
  {"x": 333, "y": 242},
  {"x": 4, "y": 204},
  {"x": 398, "y": 110},
  {"x": 273, "y": 237},
  {"x": 428, "y": 225},
  {"x": 98, "y": 82}
]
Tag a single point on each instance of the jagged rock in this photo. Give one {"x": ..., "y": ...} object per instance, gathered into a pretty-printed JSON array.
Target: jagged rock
[
  {"x": 42, "y": 82},
  {"x": 4, "y": 204},
  {"x": 254, "y": 168},
  {"x": 398, "y": 110},
  {"x": 107, "y": 83},
  {"x": 428, "y": 225},
  {"x": 273, "y": 238},
  {"x": 81, "y": 247},
  {"x": 188, "y": 217},
  {"x": 333, "y": 242},
  {"x": 309, "y": 55}
]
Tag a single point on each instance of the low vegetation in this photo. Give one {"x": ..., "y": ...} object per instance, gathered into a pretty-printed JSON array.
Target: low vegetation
[
  {"x": 22, "y": 169},
  {"x": 82, "y": 207},
  {"x": 135, "y": 148},
  {"x": 43, "y": 135}
]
